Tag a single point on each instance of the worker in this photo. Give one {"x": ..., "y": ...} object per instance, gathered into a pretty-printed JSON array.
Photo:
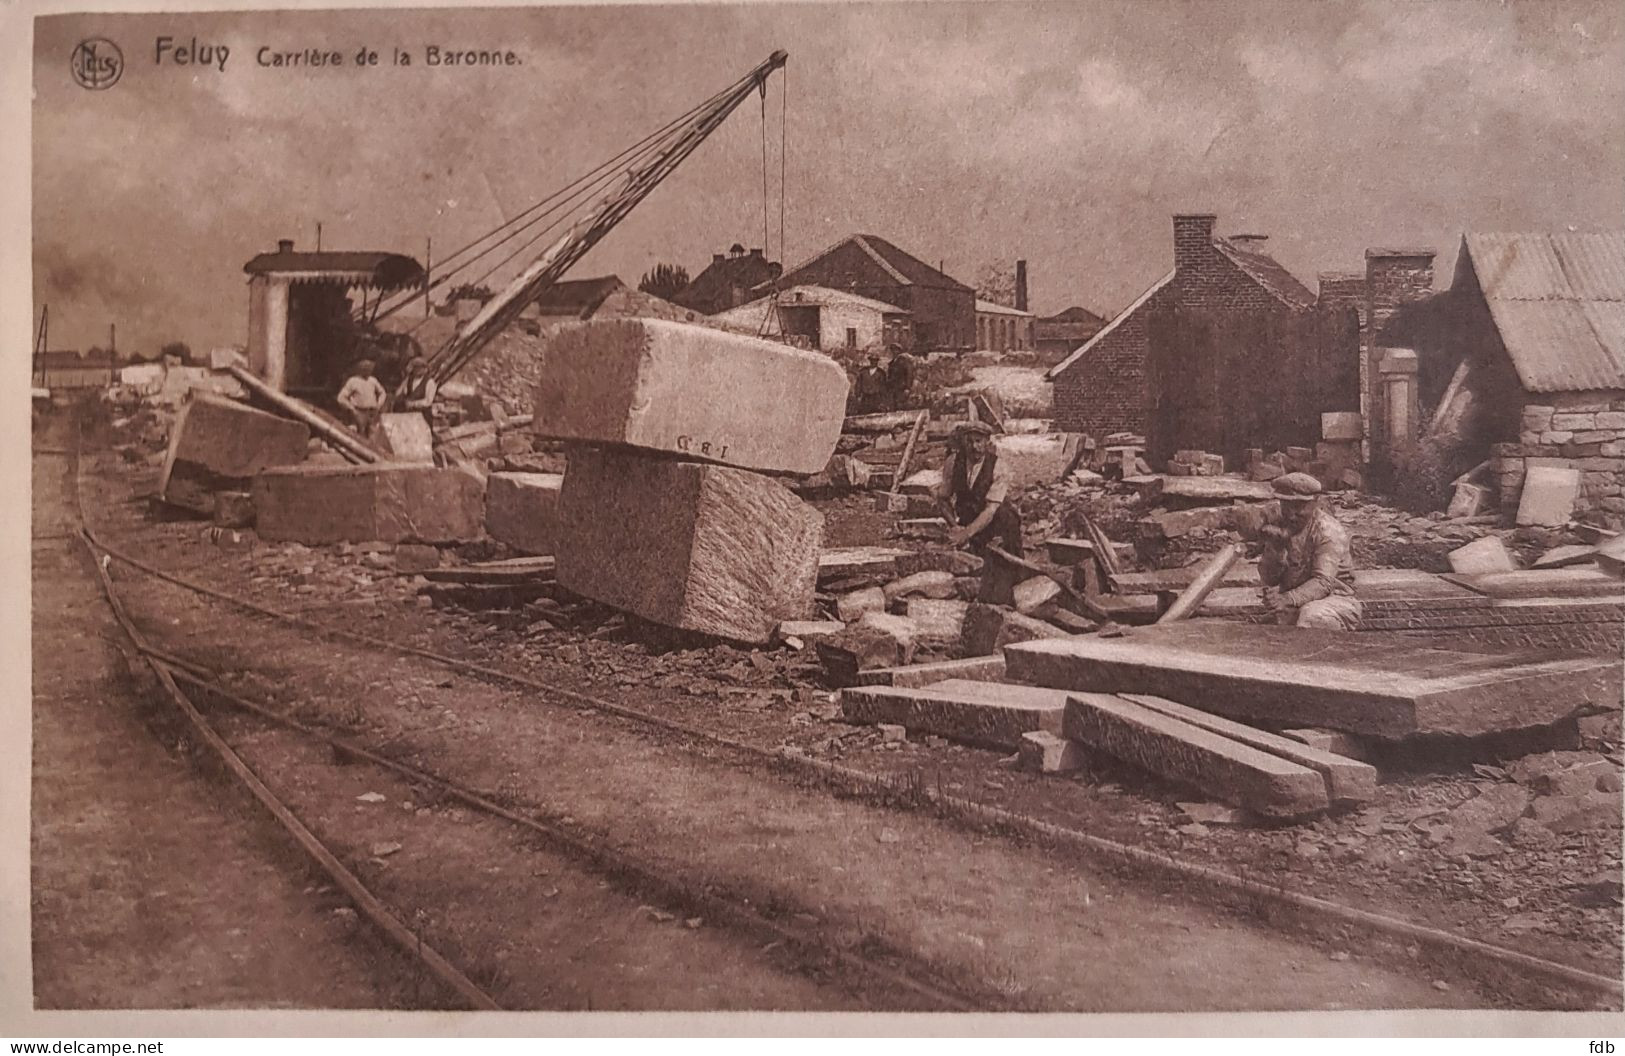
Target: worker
[
  {"x": 975, "y": 500},
  {"x": 899, "y": 376},
  {"x": 871, "y": 386},
  {"x": 417, "y": 374},
  {"x": 363, "y": 397},
  {"x": 1306, "y": 568}
]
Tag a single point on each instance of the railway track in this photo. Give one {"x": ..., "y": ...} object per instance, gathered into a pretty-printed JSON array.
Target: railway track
[{"x": 918, "y": 981}]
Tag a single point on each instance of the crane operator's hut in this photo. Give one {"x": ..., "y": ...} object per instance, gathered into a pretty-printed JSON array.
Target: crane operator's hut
[{"x": 302, "y": 334}]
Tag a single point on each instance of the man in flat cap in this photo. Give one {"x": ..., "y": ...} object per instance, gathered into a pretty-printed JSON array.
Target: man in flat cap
[
  {"x": 1306, "y": 568},
  {"x": 363, "y": 398},
  {"x": 975, "y": 500}
]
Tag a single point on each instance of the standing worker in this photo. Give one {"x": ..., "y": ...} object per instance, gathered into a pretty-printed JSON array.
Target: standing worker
[
  {"x": 417, "y": 376},
  {"x": 363, "y": 397},
  {"x": 871, "y": 386},
  {"x": 975, "y": 499},
  {"x": 900, "y": 376},
  {"x": 1306, "y": 567}
]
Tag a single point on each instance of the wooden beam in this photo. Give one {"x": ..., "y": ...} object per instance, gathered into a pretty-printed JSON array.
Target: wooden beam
[{"x": 350, "y": 446}]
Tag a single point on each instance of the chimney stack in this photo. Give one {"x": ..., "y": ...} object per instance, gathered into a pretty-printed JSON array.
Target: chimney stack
[
  {"x": 284, "y": 245},
  {"x": 755, "y": 252},
  {"x": 717, "y": 258},
  {"x": 1193, "y": 239},
  {"x": 1021, "y": 285}
]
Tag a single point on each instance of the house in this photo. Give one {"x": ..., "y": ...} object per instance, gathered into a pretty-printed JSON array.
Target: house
[
  {"x": 942, "y": 310},
  {"x": 1539, "y": 322},
  {"x": 1057, "y": 335},
  {"x": 67, "y": 370},
  {"x": 728, "y": 281},
  {"x": 1226, "y": 351},
  {"x": 821, "y": 318},
  {"x": 606, "y": 297},
  {"x": 299, "y": 331},
  {"x": 1001, "y": 329}
]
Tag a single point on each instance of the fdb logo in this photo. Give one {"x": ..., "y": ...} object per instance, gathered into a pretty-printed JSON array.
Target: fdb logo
[{"x": 97, "y": 63}]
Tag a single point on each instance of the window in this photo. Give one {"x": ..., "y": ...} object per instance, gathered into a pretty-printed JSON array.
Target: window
[{"x": 851, "y": 337}]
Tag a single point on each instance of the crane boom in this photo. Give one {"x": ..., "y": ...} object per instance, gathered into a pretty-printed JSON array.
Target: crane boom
[{"x": 546, "y": 269}]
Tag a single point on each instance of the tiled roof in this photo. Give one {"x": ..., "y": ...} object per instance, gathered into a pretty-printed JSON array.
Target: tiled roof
[
  {"x": 386, "y": 270},
  {"x": 1268, "y": 273},
  {"x": 993, "y": 308},
  {"x": 1558, "y": 301}
]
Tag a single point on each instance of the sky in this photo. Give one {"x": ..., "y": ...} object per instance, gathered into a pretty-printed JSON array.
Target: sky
[{"x": 1067, "y": 134}]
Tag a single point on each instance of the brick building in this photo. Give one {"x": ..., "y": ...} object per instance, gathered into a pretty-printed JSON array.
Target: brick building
[
  {"x": 1055, "y": 336},
  {"x": 728, "y": 281},
  {"x": 1001, "y": 329},
  {"x": 942, "y": 309},
  {"x": 1225, "y": 352}
]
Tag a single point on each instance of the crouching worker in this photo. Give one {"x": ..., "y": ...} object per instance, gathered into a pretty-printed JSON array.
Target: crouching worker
[
  {"x": 975, "y": 500},
  {"x": 1306, "y": 569}
]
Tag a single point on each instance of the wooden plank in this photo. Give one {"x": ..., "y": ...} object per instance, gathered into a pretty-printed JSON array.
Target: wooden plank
[
  {"x": 1241, "y": 574},
  {"x": 1348, "y": 781},
  {"x": 1374, "y": 682},
  {"x": 1171, "y": 748},
  {"x": 987, "y": 713},
  {"x": 1208, "y": 577},
  {"x": 908, "y": 452}
]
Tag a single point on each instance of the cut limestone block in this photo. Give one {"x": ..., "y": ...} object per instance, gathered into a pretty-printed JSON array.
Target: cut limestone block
[
  {"x": 1034, "y": 595},
  {"x": 692, "y": 391},
  {"x": 1225, "y": 769},
  {"x": 1348, "y": 781},
  {"x": 406, "y": 437},
  {"x": 522, "y": 510},
  {"x": 921, "y": 585},
  {"x": 1549, "y": 494},
  {"x": 932, "y": 529},
  {"x": 1209, "y": 490},
  {"x": 218, "y": 444},
  {"x": 1374, "y": 682},
  {"x": 990, "y": 713},
  {"x": 392, "y": 503},
  {"x": 974, "y": 668},
  {"x": 1040, "y": 459},
  {"x": 1541, "y": 584},
  {"x": 851, "y": 607},
  {"x": 989, "y": 628},
  {"x": 1405, "y": 590},
  {"x": 1562, "y": 556},
  {"x": 921, "y": 482},
  {"x": 877, "y": 640},
  {"x": 1042, "y": 752},
  {"x": 1347, "y": 745},
  {"x": 1340, "y": 425},
  {"x": 840, "y": 562},
  {"x": 699, "y": 547},
  {"x": 939, "y": 622},
  {"x": 1488, "y": 554}
]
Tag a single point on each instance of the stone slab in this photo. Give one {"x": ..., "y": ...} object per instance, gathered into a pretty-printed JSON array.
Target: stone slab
[
  {"x": 1548, "y": 497},
  {"x": 1396, "y": 587},
  {"x": 1214, "y": 490},
  {"x": 1378, "y": 683},
  {"x": 1488, "y": 554},
  {"x": 939, "y": 621},
  {"x": 406, "y": 436},
  {"x": 522, "y": 510},
  {"x": 389, "y": 502},
  {"x": 974, "y": 668},
  {"x": 839, "y": 562},
  {"x": 509, "y": 570},
  {"x": 219, "y": 444},
  {"x": 986, "y": 713},
  {"x": 1044, "y": 753},
  {"x": 989, "y": 628},
  {"x": 1174, "y": 749},
  {"x": 700, "y": 547},
  {"x": 1348, "y": 781},
  {"x": 1529, "y": 583},
  {"x": 1036, "y": 459},
  {"x": 691, "y": 391}
]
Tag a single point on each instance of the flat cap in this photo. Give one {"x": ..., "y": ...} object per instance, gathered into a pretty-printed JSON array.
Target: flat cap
[{"x": 1296, "y": 487}]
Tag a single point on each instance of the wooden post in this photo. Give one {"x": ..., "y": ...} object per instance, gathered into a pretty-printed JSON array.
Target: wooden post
[
  {"x": 1211, "y": 575},
  {"x": 908, "y": 452},
  {"x": 351, "y": 447}
]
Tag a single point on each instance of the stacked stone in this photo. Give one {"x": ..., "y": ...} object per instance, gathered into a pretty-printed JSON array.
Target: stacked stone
[
  {"x": 1584, "y": 431},
  {"x": 666, "y": 511}
]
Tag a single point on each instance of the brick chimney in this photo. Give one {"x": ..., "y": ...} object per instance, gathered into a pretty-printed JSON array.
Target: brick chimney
[
  {"x": 1193, "y": 240},
  {"x": 1021, "y": 285},
  {"x": 284, "y": 245}
]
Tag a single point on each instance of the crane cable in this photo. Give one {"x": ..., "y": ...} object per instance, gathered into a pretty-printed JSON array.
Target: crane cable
[{"x": 772, "y": 307}]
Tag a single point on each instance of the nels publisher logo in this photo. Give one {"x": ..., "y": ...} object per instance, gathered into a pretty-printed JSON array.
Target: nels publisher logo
[{"x": 97, "y": 63}]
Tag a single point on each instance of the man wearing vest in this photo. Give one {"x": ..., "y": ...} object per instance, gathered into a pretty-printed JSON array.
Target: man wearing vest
[
  {"x": 975, "y": 499},
  {"x": 1306, "y": 567}
]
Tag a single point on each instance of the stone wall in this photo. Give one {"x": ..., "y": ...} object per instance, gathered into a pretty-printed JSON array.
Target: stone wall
[{"x": 1582, "y": 430}]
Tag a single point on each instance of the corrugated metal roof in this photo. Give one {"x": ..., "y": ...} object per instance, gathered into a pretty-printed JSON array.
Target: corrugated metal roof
[{"x": 1558, "y": 301}]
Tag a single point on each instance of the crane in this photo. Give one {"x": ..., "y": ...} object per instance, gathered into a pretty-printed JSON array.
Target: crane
[{"x": 649, "y": 162}]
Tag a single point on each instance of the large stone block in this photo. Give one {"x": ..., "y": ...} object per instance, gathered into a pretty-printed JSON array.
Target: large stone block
[
  {"x": 692, "y": 391},
  {"x": 522, "y": 510},
  {"x": 701, "y": 547},
  {"x": 989, "y": 628},
  {"x": 407, "y": 437},
  {"x": 975, "y": 668},
  {"x": 218, "y": 444},
  {"x": 992, "y": 713},
  {"x": 1172, "y": 748},
  {"x": 1373, "y": 682},
  {"x": 1549, "y": 493},
  {"x": 390, "y": 502}
]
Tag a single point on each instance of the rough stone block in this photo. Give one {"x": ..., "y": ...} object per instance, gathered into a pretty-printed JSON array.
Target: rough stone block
[
  {"x": 1340, "y": 425},
  {"x": 1611, "y": 420},
  {"x": 522, "y": 510},
  {"x": 1373, "y": 682},
  {"x": 1347, "y": 745},
  {"x": 692, "y": 391},
  {"x": 852, "y": 606},
  {"x": 974, "y": 668},
  {"x": 1348, "y": 781},
  {"x": 1549, "y": 494},
  {"x": 700, "y": 547},
  {"x": 932, "y": 529},
  {"x": 389, "y": 502},
  {"x": 1171, "y": 748},
  {"x": 1042, "y": 752},
  {"x": 989, "y": 628},
  {"x": 1574, "y": 422},
  {"x": 1036, "y": 459},
  {"x": 954, "y": 562},
  {"x": 407, "y": 437},
  {"x": 219, "y": 444},
  {"x": 991, "y": 713},
  {"x": 922, "y": 585},
  {"x": 938, "y": 621},
  {"x": 1033, "y": 596},
  {"x": 841, "y": 562},
  {"x": 1488, "y": 554},
  {"x": 1470, "y": 500}
]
